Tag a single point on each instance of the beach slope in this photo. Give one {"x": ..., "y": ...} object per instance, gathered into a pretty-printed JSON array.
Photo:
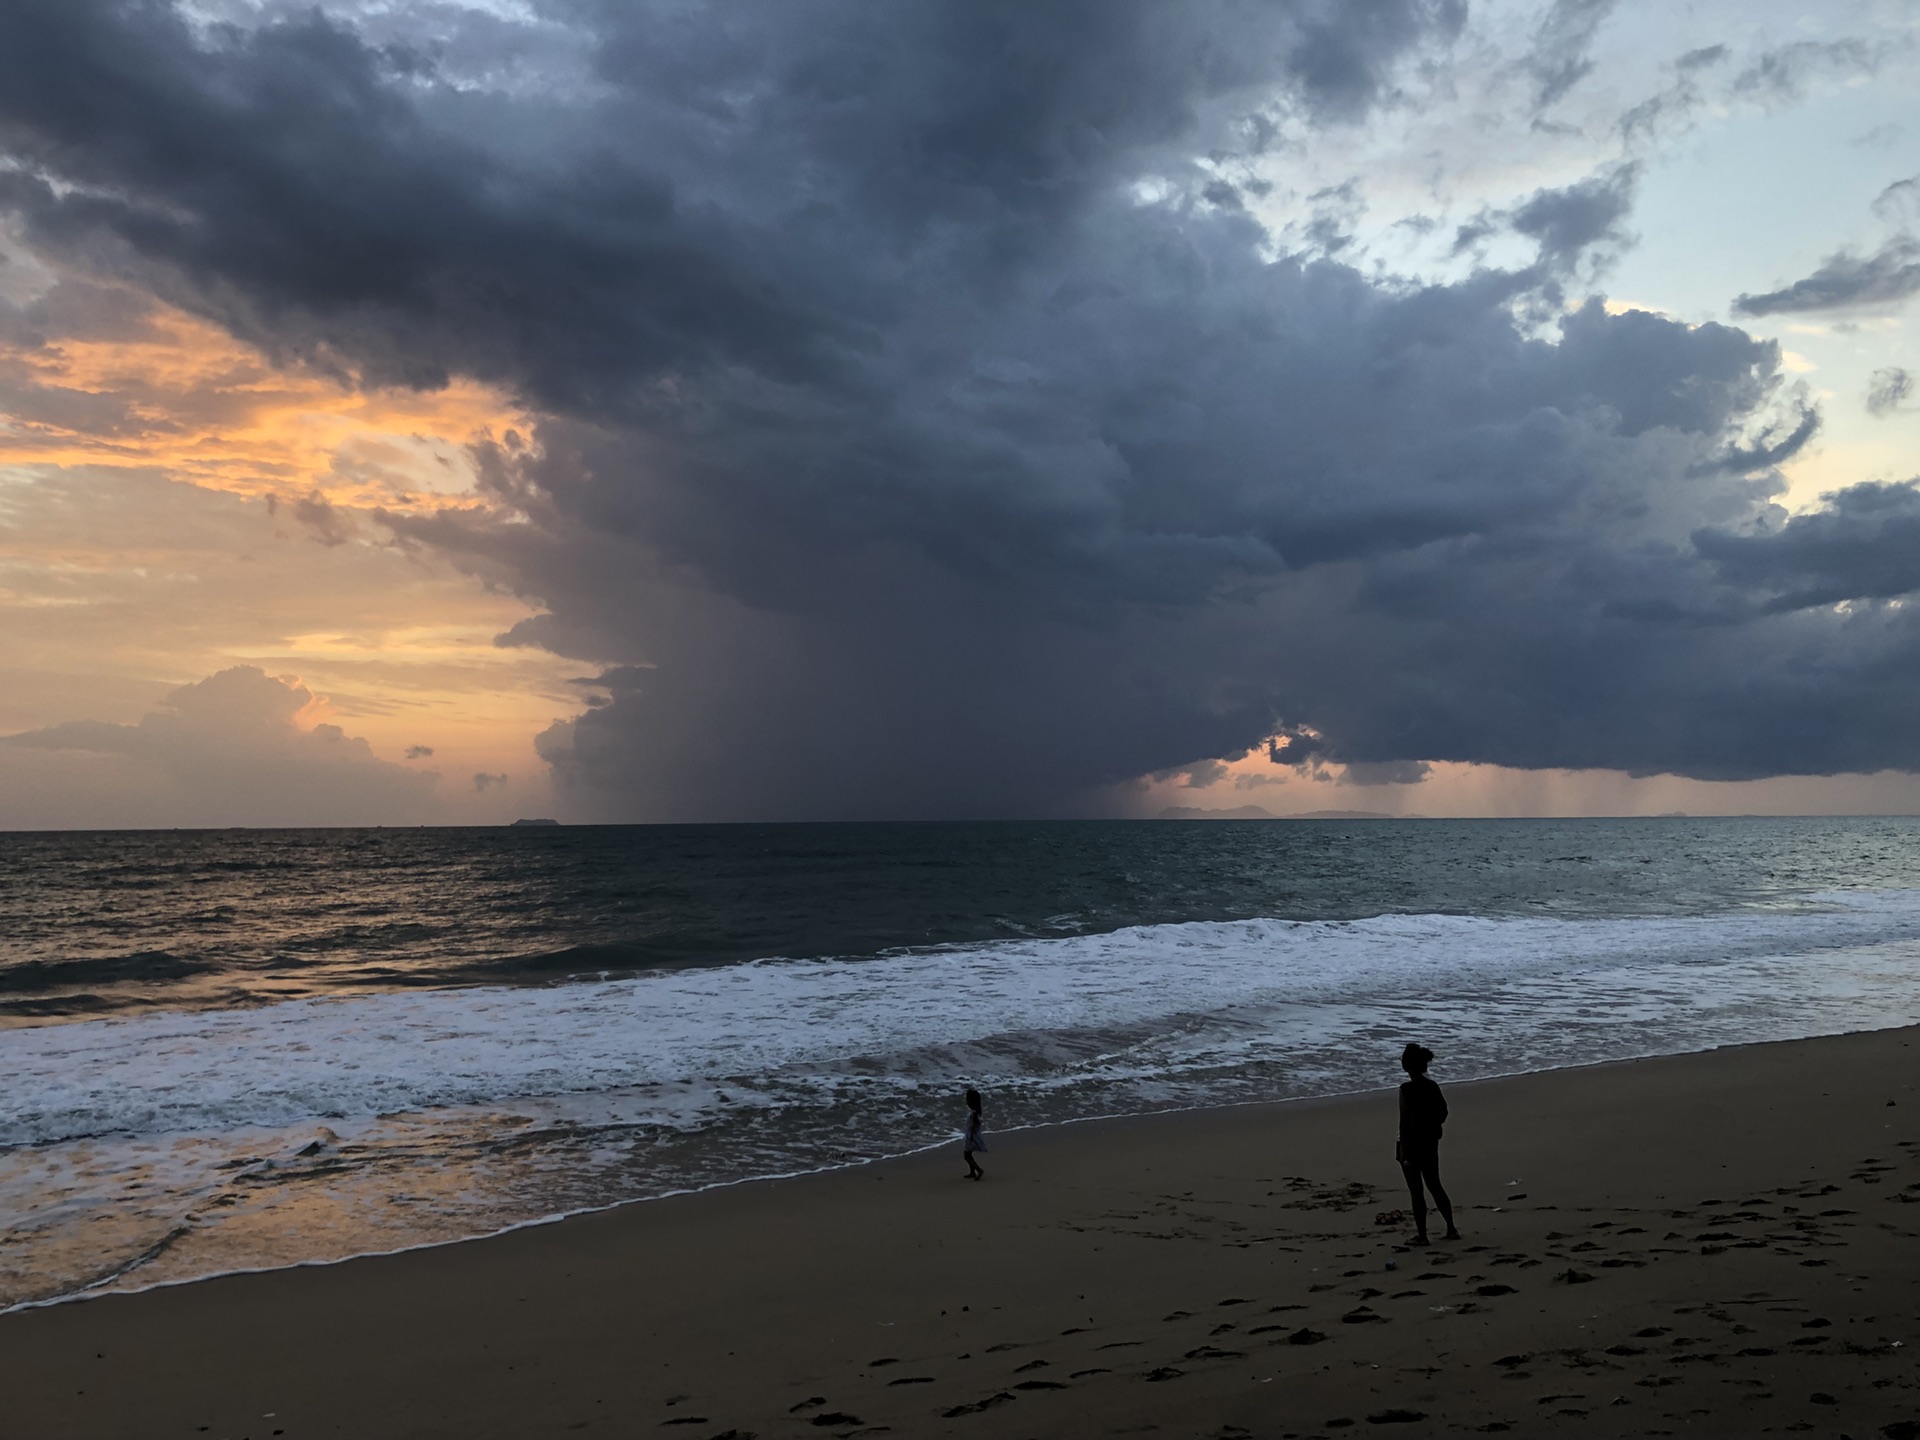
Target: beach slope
[{"x": 1719, "y": 1244}]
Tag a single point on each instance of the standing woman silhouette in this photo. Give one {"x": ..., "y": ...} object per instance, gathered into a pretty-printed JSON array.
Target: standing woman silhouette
[{"x": 1423, "y": 1110}]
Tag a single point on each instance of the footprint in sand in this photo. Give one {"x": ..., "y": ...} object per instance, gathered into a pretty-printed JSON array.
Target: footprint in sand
[
  {"x": 807, "y": 1404},
  {"x": 1083, "y": 1374},
  {"x": 912, "y": 1380},
  {"x": 1003, "y": 1397},
  {"x": 1030, "y": 1365}
]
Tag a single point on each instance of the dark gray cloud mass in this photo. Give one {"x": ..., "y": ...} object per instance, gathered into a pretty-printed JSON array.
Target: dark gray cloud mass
[
  {"x": 1866, "y": 543},
  {"x": 1887, "y": 276},
  {"x": 930, "y": 428}
]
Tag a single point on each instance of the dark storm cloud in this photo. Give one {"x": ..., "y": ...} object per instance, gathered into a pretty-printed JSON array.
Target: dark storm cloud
[
  {"x": 1864, "y": 545},
  {"x": 748, "y": 165},
  {"x": 929, "y": 431},
  {"x": 1888, "y": 276},
  {"x": 1776, "y": 444}
]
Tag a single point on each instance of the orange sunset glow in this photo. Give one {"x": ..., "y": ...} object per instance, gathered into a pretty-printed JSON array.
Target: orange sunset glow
[
  {"x": 177, "y": 504},
  {"x": 182, "y": 395}
]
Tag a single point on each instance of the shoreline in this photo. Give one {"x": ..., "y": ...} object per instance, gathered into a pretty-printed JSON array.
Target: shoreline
[
  {"x": 1119, "y": 1266},
  {"x": 99, "y": 1290}
]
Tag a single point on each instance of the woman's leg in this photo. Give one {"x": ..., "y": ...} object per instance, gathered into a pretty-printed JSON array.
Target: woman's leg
[
  {"x": 1430, "y": 1171},
  {"x": 1412, "y": 1171}
]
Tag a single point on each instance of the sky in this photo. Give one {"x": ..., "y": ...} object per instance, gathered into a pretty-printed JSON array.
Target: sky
[{"x": 419, "y": 412}]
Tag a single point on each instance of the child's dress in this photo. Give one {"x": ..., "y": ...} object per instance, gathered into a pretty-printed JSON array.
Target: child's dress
[{"x": 976, "y": 1134}]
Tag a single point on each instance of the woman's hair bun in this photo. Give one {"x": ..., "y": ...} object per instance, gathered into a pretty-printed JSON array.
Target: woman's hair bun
[{"x": 1416, "y": 1054}]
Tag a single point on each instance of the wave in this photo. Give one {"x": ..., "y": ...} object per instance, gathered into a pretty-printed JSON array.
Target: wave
[
  {"x": 27, "y": 977},
  {"x": 281, "y": 1064}
]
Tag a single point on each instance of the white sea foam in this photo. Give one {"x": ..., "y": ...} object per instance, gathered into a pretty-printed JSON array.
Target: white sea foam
[{"x": 1168, "y": 996}]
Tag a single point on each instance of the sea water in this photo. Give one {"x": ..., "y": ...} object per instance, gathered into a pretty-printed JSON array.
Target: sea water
[{"x": 243, "y": 1049}]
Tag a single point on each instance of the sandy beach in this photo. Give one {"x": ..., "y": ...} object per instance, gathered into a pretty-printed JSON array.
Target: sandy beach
[{"x": 1714, "y": 1244}]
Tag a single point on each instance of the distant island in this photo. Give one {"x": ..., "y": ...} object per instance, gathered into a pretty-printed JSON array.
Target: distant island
[
  {"x": 518, "y": 823},
  {"x": 1258, "y": 812}
]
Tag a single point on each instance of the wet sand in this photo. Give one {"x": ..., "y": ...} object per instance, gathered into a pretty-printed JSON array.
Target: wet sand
[{"x": 1724, "y": 1244}]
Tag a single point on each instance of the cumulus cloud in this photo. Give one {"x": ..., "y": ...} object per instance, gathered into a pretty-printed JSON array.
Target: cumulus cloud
[
  {"x": 227, "y": 750},
  {"x": 923, "y": 434}
]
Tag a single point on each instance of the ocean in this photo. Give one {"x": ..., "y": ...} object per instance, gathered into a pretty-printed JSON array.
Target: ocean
[{"x": 231, "y": 1050}]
